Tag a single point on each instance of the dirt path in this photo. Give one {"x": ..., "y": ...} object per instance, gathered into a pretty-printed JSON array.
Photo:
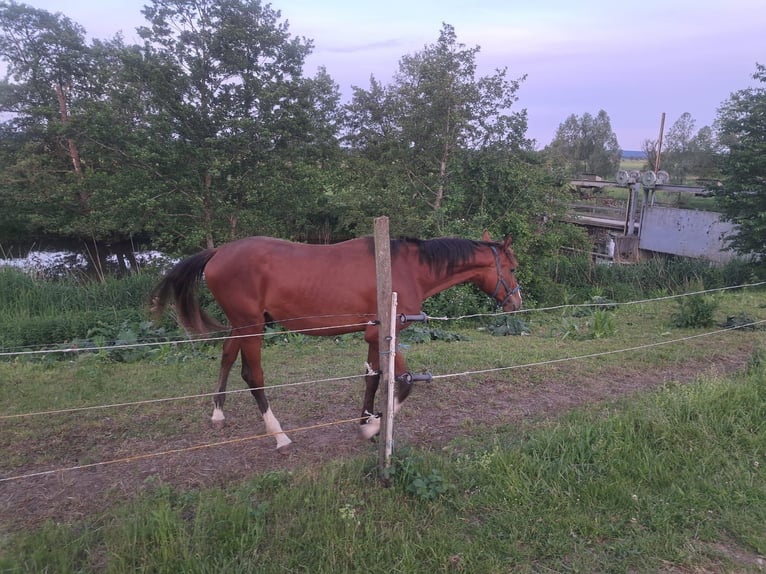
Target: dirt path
[{"x": 68, "y": 496}]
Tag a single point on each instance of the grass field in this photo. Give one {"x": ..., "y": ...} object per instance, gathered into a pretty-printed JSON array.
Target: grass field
[
  {"x": 669, "y": 479},
  {"x": 633, "y": 164}
]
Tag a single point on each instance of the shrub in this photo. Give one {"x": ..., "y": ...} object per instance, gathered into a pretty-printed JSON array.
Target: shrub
[{"x": 694, "y": 311}]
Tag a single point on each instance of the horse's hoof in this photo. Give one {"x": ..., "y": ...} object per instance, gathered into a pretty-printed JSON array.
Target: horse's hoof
[
  {"x": 285, "y": 449},
  {"x": 218, "y": 425}
]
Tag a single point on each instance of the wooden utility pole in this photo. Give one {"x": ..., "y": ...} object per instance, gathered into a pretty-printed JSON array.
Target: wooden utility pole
[
  {"x": 659, "y": 144},
  {"x": 386, "y": 342}
]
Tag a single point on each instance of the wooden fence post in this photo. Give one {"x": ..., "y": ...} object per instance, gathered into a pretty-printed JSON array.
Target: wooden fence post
[
  {"x": 387, "y": 424},
  {"x": 385, "y": 346}
]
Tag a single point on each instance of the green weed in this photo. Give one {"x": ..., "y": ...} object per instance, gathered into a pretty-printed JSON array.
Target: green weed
[
  {"x": 694, "y": 311},
  {"x": 407, "y": 472},
  {"x": 602, "y": 324}
]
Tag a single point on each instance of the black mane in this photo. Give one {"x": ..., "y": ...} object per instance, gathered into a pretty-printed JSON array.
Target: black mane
[{"x": 442, "y": 254}]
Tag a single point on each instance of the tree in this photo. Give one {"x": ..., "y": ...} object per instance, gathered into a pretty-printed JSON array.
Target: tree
[
  {"x": 704, "y": 151},
  {"x": 688, "y": 153},
  {"x": 677, "y": 155},
  {"x": 64, "y": 139},
  {"x": 230, "y": 100},
  {"x": 586, "y": 144},
  {"x": 741, "y": 127},
  {"x": 685, "y": 154},
  {"x": 422, "y": 125},
  {"x": 48, "y": 56},
  {"x": 649, "y": 147}
]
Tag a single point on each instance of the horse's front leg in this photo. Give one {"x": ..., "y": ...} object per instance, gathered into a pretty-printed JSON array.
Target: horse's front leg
[
  {"x": 228, "y": 356},
  {"x": 370, "y": 421}
]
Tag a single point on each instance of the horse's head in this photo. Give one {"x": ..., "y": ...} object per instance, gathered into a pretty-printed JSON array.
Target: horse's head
[{"x": 507, "y": 292}]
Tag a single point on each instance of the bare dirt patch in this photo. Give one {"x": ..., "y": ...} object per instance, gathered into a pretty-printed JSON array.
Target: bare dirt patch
[{"x": 431, "y": 418}]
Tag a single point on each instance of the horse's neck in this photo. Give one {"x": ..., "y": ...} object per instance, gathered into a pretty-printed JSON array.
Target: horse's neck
[{"x": 469, "y": 272}]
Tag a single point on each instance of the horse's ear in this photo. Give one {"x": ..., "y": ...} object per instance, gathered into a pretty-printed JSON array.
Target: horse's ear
[
  {"x": 508, "y": 241},
  {"x": 485, "y": 236}
]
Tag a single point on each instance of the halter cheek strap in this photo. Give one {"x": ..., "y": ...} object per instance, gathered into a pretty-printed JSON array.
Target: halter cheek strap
[{"x": 502, "y": 282}]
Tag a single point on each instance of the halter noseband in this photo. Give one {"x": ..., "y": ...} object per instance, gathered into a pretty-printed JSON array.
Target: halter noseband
[{"x": 502, "y": 282}]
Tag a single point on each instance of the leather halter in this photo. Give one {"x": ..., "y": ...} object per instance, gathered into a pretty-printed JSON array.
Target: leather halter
[{"x": 502, "y": 282}]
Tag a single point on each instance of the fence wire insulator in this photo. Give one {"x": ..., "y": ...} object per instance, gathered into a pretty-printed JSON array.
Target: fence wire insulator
[
  {"x": 404, "y": 318},
  {"x": 410, "y": 378}
]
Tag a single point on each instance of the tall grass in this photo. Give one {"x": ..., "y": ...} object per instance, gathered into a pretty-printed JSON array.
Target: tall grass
[
  {"x": 38, "y": 312},
  {"x": 48, "y": 312},
  {"x": 21, "y": 294},
  {"x": 671, "y": 481},
  {"x": 577, "y": 279}
]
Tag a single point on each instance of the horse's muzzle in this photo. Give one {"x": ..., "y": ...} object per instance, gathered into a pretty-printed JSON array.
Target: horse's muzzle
[{"x": 512, "y": 301}]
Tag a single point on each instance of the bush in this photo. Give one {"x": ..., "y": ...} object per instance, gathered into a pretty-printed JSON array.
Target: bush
[
  {"x": 458, "y": 301},
  {"x": 694, "y": 311}
]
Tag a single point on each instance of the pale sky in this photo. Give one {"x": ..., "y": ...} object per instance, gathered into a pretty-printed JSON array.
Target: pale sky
[{"x": 635, "y": 60}]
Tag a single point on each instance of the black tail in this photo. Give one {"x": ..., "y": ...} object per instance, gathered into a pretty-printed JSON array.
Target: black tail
[{"x": 180, "y": 286}]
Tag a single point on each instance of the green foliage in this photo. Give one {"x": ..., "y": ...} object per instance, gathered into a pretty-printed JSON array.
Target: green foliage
[
  {"x": 407, "y": 473},
  {"x": 423, "y": 334},
  {"x": 124, "y": 344},
  {"x": 694, "y": 311},
  {"x": 744, "y": 321},
  {"x": 458, "y": 301},
  {"x": 505, "y": 325},
  {"x": 659, "y": 469},
  {"x": 75, "y": 312},
  {"x": 568, "y": 279},
  {"x": 185, "y": 146},
  {"x": 442, "y": 150},
  {"x": 602, "y": 324},
  {"x": 592, "y": 320},
  {"x": 71, "y": 170},
  {"x": 586, "y": 145},
  {"x": 243, "y": 138},
  {"x": 686, "y": 153},
  {"x": 741, "y": 124},
  {"x": 278, "y": 335},
  {"x": 109, "y": 142}
]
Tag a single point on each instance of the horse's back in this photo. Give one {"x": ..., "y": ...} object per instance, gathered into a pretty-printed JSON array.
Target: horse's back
[
  {"x": 288, "y": 280},
  {"x": 256, "y": 255}
]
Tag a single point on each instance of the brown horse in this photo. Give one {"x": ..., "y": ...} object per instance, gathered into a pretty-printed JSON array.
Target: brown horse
[{"x": 324, "y": 290}]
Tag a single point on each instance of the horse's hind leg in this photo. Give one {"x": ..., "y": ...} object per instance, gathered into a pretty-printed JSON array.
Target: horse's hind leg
[
  {"x": 228, "y": 356},
  {"x": 252, "y": 373}
]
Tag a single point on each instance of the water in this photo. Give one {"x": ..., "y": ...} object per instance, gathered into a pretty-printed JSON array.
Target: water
[{"x": 58, "y": 263}]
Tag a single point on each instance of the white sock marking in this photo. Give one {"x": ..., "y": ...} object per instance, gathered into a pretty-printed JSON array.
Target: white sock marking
[
  {"x": 274, "y": 428},
  {"x": 217, "y": 415},
  {"x": 370, "y": 428}
]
